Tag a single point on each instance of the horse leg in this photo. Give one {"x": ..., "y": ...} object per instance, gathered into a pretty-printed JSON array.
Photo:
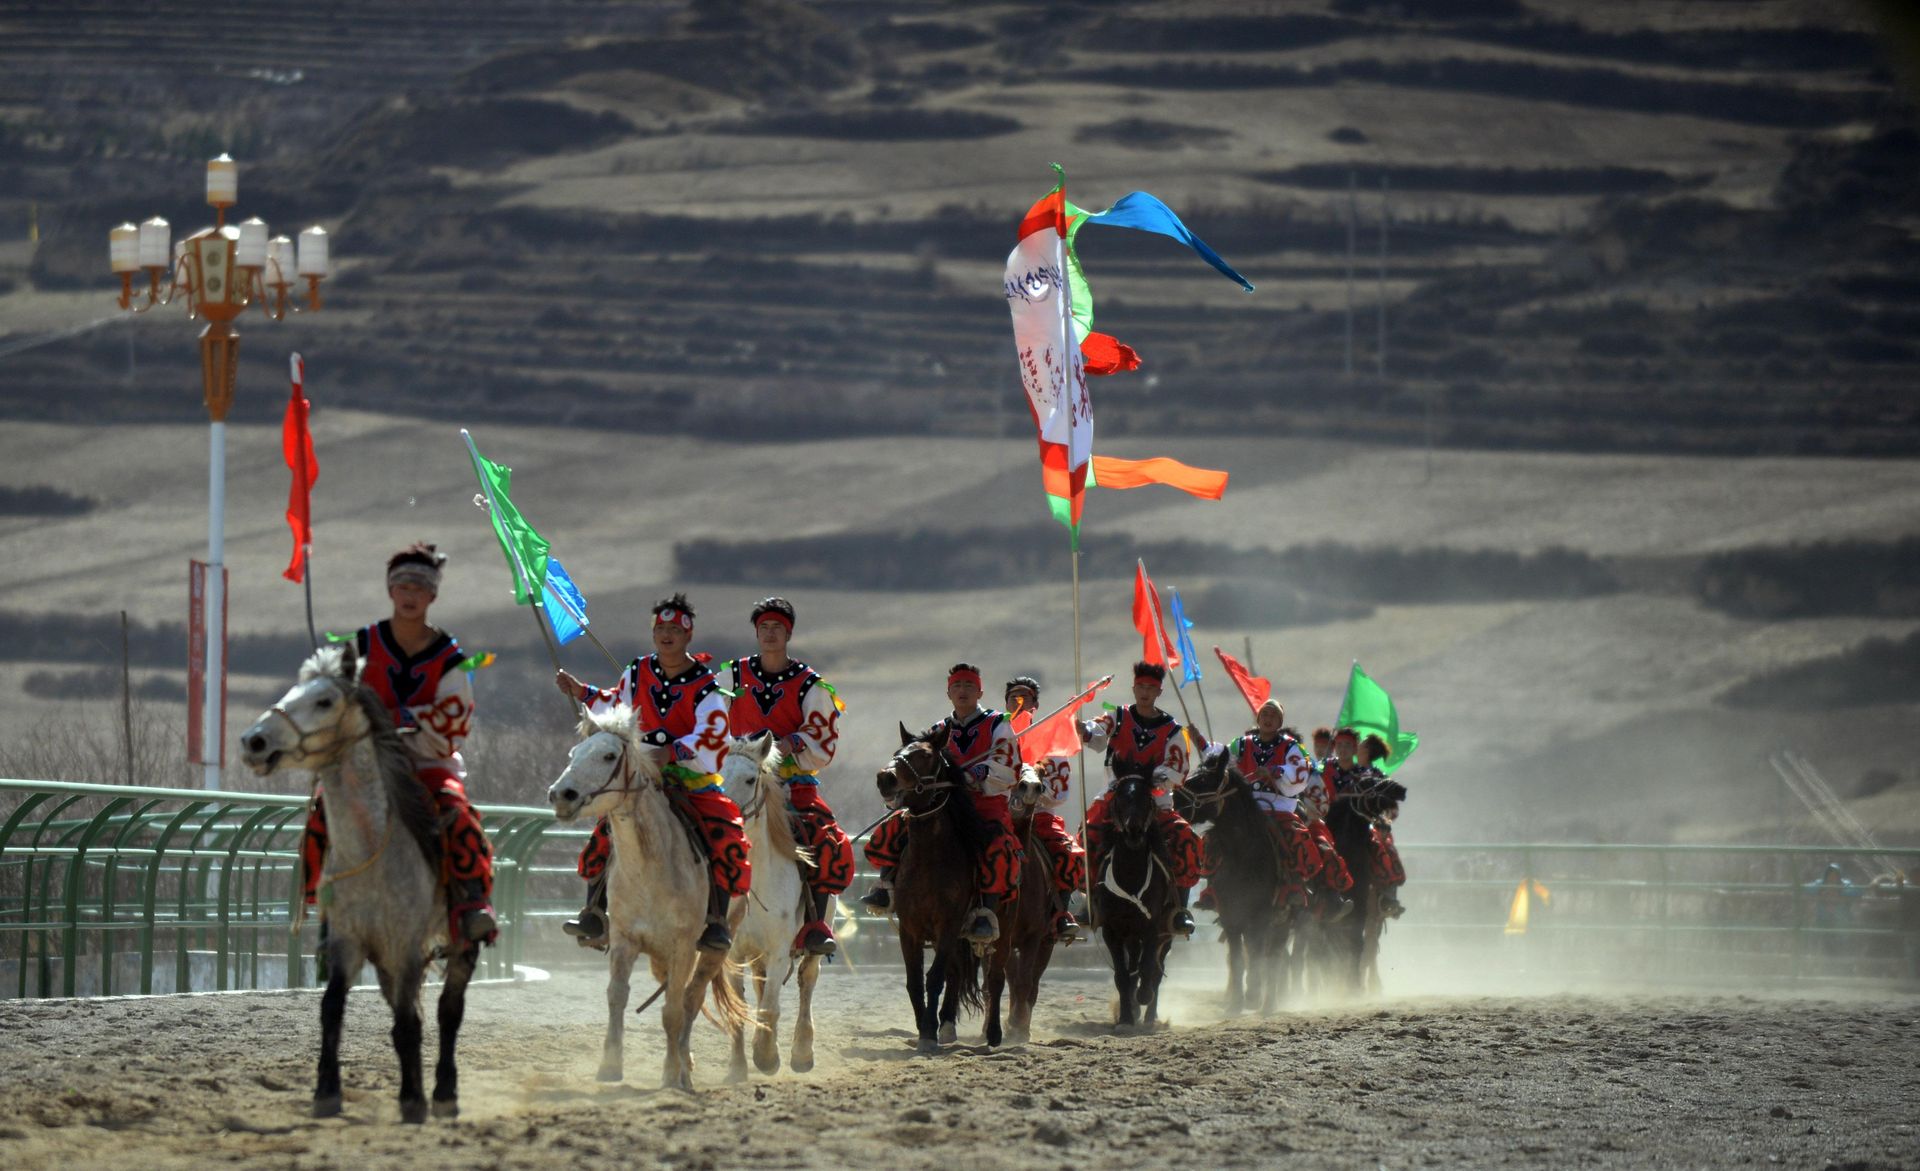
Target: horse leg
[
  {"x": 620, "y": 957},
  {"x": 676, "y": 1072},
  {"x": 403, "y": 994},
  {"x": 737, "y": 1062},
  {"x": 1123, "y": 980},
  {"x": 923, "y": 1019},
  {"x": 997, "y": 961},
  {"x": 1031, "y": 962},
  {"x": 452, "y": 1010},
  {"x": 707, "y": 968},
  {"x": 1153, "y": 964},
  {"x": 802, "y": 1059},
  {"x": 343, "y": 962},
  {"x": 766, "y": 1042},
  {"x": 943, "y": 991},
  {"x": 1236, "y": 971}
]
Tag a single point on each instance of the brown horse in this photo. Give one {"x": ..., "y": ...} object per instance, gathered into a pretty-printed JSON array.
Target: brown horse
[
  {"x": 933, "y": 885},
  {"x": 1025, "y": 946},
  {"x": 1351, "y": 820},
  {"x": 1248, "y": 872}
]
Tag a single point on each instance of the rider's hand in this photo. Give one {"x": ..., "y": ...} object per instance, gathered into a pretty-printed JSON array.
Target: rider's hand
[{"x": 568, "y": 685}]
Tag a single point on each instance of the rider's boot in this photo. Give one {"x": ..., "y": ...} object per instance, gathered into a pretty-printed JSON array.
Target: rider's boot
[
  {"x": 589, "y": 928},
  {"x": 880, "y": 898},
  {"x": 716, "y": 937},
  {"x": 1339, "y": 906},
  {"x": 476, "y": 916},
  {"x": 1390, "y": 905},
  {"x": 1066, "y": 928},
  {"x": 1207, "y": 901},
  {"x": 984, "y": 927},
  {"x": 1182, "y": 920},
  {"x": 816, "y": 937}
]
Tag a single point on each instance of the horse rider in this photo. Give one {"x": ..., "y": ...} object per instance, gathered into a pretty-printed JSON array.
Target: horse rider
[
  {"x": 1322, "y": 746},
  {"x": 980, "y": 743},
  {"x": 1142, "y": 739},
  {"x": 417, "y": 671},
  {"x": 781, "y": 695},
  {"x": 680, "y": 711},
  {"x": 1332, "y": 878},
  {"x": 1278, "y": 770},
  {"x": 1389, "y": 875},
  {"x": 1056, "y": 779}
]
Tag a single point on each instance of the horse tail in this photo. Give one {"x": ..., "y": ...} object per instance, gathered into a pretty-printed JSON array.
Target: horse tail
[
  {"x": 963, "y": 975},
  {"x": 730, "y": 1010}
]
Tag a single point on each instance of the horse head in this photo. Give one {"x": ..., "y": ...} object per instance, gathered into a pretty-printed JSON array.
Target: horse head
[
  {"x": 1375, "y": 796},
  {"x": 318, "y": 717},
  {"x": 1026, "y": 795},
  {"x": 1130, "y": 808},
  {"x": 751, "y": 770},
  {"x": 919, "y": 772},
  {"x": 610, "y": 763}
]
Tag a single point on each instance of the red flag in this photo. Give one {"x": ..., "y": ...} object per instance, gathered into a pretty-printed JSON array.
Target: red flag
[
  {"x": 1156, "y": 647},
  {"x": 1256, "y": 690},
  {"x": 1053, "y": 735},
  {"x": 296, "y": 444}
]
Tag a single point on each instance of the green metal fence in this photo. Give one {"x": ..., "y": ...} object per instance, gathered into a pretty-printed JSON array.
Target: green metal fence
[{"x": 108, "y": 889}]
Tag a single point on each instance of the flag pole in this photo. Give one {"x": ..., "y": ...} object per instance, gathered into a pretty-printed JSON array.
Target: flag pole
[
  {"x": 1204, "y": 715},
  {"x": 1105, "y": 680},
  {"x": 306, "y": 575},
  {"x": 1080, "y": 765},
  {"x": 519, "y": 570}
]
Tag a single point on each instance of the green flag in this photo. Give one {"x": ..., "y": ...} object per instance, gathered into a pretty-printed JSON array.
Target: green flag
[
  {"x": 1369, "y": 709},
  {"x": 526, "y": 550}
]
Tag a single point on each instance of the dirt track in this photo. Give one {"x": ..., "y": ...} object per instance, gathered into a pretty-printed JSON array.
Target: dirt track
[{"x": 1647, "y": 1081}]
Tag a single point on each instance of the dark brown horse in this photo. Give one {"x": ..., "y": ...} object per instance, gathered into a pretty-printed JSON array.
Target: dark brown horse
[
  {"x": 1025, "y": 946},
  {"x": 1351, "y": 820},
  {"x": 1247, "y": 875},
  {"x": 933, "y": 885},
  {"x": 1134, "y": 899}
]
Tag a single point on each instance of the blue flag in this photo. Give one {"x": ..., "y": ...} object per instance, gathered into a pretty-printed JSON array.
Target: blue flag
[
  {"x": 1189, "y": 661},
  {"x": 566, "y": 606}
]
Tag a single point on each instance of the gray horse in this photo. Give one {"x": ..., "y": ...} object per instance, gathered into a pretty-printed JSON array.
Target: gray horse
[{"x": 385, "y": 901}]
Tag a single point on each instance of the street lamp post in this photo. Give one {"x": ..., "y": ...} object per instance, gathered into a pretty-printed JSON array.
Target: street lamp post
[{"x": 220, "y": 272}]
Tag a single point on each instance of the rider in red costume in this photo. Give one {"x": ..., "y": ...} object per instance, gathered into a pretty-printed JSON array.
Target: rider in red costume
[
  {"x": 980, "y": 743},
  {"x": 1056, "y": 778},
  {"x": 418, "y": 672},
  {"x": 1140, "y": 738},
  {"x": 773, "y": 693},
  {"x": 680, "y": 711}
]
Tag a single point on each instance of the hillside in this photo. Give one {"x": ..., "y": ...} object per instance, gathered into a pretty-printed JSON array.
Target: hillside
[{"x": 1645, "y": 283}]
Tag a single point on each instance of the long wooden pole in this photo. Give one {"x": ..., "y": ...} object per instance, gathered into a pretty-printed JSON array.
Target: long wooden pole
[
  {"x": 1080, "y": 766},
  {"x": 306, "y": 576},
  {"x": 126, "y": 693}
]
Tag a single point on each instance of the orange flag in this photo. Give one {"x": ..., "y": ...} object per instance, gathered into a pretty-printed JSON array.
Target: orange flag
[
  {"x": 1205, "y": 483},
  {"x": 1054, "y": 735},
  {"x": 1256, "y": 690},
  {"x": 1156, "y": 647}
]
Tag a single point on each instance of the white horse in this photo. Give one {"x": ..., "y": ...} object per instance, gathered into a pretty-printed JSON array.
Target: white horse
[
  {"x": 386, "y": 903},
  {"x": 656, "y": 890},
  {"x": 777, "y": 908}
]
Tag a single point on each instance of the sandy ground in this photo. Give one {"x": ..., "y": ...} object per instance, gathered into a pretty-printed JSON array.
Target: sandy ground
[{"x": 1617, "y": 1080}]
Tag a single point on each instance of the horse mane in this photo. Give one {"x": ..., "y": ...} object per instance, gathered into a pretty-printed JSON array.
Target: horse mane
[
  {"x": 409, "y": 797},
  {"x": 619, "y": 721}
]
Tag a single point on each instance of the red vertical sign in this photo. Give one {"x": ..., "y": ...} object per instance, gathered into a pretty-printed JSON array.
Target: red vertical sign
[{"x": 197, "y": 666}]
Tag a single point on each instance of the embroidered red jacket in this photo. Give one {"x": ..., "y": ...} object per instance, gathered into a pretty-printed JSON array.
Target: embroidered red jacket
[
  {"x": 794, "y": 704},
  {"x": 422, "y": 691}
]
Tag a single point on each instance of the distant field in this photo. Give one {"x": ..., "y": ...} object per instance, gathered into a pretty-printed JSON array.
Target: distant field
[{"x": 1495, "y": 689}]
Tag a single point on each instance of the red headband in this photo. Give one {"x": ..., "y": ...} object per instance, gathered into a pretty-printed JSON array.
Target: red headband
[
  {"x": 777, "y": 616},
  {"x": 669, "y": 616},
  {"x": 1160, "y": 683},
  {"x": 972, "y": 677}
]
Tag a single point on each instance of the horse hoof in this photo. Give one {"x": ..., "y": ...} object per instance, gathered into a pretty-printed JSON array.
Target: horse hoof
[
  {"x": 608, "y": 1073},
  {"x": 1124, "y": 1029},
  {"x": 929, "y": 1046},
  {"x": 327, "y": 1107},
  {"x": 414, "y": 1111},
  {"x": 446, "y": 1107},
  {"x": 736, "y": 1074},
  {"x": 801, "y": 1064},
  {"x": 948, "y": 1033},
  {"x": 769, "y": 1064}
]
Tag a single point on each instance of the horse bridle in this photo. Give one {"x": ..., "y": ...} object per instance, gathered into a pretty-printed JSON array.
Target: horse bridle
[
  {"x": 302, "y": 735},
  {"x": 922, "y": 782},
  {"x": 621, "y": 767}
]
